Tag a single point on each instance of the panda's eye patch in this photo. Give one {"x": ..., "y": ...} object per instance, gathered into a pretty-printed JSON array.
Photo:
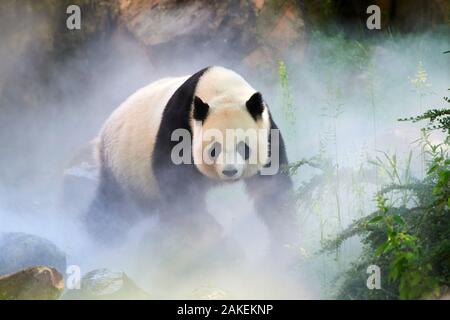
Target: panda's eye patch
[
  {"x": 215, "y": 150},
  {"x": 243, "y": 150}
]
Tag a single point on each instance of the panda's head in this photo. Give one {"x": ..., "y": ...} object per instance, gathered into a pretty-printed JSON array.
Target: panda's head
[{"x": 230, "y": 131}]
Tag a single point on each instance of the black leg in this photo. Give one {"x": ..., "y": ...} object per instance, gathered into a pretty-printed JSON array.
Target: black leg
[
  {"x": 274, "y": 203},
  {"x": 108, "y": 217},
  {"x": 183, "y": 192},
  {"x": 273, "y": 194}
]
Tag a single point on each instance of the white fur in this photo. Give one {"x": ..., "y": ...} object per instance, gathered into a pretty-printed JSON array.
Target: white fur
[
  {"x": 128, "y": 137},
  {"x": 223, "y": 88},
  {"x": 224, "y": 91}
]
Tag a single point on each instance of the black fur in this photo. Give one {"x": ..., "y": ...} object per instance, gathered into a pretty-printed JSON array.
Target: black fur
[
  {"x": 183, "y": 188},
  {"x": 255, "y": 105},
  {"x": 273, "y": 197},
  {"x": 200, "y": 109},
  {"x": 111, "y": 212}
]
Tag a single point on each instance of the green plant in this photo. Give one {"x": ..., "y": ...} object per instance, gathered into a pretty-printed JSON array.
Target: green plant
[
  {"x": 411, "y": 245},
  {"x": 332, "y": 110},
  {"x": 421, "y": 84},
  {"x": 388, "y": 169},
  {"x": 439, "y": 119},
  {"x": 287, "y": 100},
  {"x": 404, "y": 253}
]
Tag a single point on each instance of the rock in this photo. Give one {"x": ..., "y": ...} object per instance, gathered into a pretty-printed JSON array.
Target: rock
[
  {"x": 35, "y": 283},
  {"x": 258, "y": 4},
  {"x": 281, "y": 32},
  {"x": 254, "y": 32},
  {"x": 21, "y": 250},
  {"x": 169, "y": 28},
  {"x": 35, "y": 39},
  {"x": 104, "y": 284},
  {"x": 400, "y": 15}
]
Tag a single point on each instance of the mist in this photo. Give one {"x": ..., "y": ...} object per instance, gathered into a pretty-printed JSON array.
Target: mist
[{"x": 346, "y": 97}]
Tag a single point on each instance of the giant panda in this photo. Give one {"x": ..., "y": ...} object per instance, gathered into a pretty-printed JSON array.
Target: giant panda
[{"x": 136, "y": 145}]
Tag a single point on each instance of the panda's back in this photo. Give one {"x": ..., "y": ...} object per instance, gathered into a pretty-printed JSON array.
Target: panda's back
[{"x": 128, "y": 137}]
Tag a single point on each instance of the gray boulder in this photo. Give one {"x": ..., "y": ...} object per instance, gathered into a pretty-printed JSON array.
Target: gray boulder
[
  {"x": 20, "y": 250},
  {"x": 105, "y": 284}
]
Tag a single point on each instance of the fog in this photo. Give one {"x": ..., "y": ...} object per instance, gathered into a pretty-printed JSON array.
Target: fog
[{"x": 347, "y": 98}]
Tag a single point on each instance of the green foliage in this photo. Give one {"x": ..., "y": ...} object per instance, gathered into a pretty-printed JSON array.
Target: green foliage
[
  {"x": 330, "y": 189},
  {"x": 404, "y": 254},
  {"x": 287, "y": 100},
  {"x": 388, "y": 168},
  {"x": 439, "y": 119},
  {"x": 420, "y": 80},
  {"x": 320, "y": 194},
  {"x": 411, "y": 244}
]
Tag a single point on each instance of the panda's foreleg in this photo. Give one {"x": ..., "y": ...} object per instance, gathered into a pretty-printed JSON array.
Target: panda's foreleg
[
  {"x": 274, "y": 203},
  {"x": 183, "y": 203},
  {"x": 106, "y": 217}
]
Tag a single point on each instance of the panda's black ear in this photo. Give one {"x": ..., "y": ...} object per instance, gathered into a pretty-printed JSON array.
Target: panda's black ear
[
  {"x": 255, "y": 105},
  {"x": 200, "y": 109}
]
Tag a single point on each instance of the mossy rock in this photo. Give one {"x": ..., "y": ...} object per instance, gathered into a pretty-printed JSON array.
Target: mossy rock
[{"x": 35, "y": 283}]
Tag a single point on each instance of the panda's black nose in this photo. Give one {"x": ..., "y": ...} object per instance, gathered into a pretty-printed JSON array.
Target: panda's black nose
[{"x": 229, "y": 172}]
